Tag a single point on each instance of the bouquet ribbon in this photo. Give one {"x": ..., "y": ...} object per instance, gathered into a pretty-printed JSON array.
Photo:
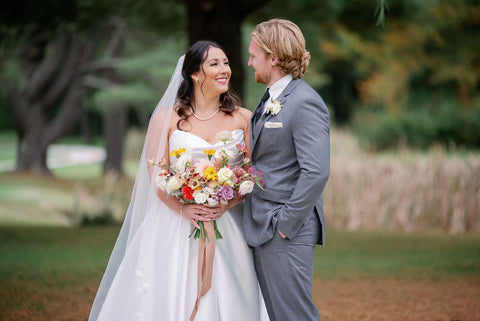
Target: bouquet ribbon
[{"x": 206, "y": 253}]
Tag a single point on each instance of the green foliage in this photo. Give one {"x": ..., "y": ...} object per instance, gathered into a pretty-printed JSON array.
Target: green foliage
[
  {"x": 421, "y": 46},
  {"x": 426, "y": 123},
  {"x": 44, "y": 254},
  {"x": 146, "y": 71},
  {"x": 409, "y": 256}
]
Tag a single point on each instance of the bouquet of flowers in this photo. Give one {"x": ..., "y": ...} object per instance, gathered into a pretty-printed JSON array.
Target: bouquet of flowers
[{"x": 208, "y": 181}]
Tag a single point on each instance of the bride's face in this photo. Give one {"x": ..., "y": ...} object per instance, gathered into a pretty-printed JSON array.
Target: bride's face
[{"x": 216, "y": 72}]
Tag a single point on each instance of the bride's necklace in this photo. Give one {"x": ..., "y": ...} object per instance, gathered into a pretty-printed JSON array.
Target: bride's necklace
[{"x": 206, "y": 118}]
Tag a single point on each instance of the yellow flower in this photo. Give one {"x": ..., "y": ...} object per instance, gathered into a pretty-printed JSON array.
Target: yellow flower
[
  {"x": 209, "y": 152},
  {"x": 177, "y": 152},
  {"x": 210, "y": 173}
]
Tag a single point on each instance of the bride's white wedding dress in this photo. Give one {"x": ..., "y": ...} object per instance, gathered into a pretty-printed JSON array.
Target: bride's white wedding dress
[{"x": 157, "y": 279}]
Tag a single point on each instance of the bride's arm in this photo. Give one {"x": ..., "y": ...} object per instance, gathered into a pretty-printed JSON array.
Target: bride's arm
[{"x": 191, "y": 212}]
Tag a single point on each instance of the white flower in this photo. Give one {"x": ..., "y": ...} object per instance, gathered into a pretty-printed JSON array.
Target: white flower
[
  {"x": 151, "y": 162},
  {"x": 221, "y": 153},
  {"x": 246, "y": 187},
  {"x": 225, "y": 176},
  {"x": 161, "y": 182},
  {"x": 274, "y": 107},
  {"x": 183, "y": 161},
  {"x": 224, "y": 136},
  {"x": 209, "y": 190},
  {"x": 200, "y": 197},
  {"x": 212, "y": 202},
  {"x": 174, "y": 183}
]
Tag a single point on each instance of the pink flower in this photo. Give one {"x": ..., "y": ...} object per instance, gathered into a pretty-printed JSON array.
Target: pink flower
[
  {"x": 241, "y": 148},
  {"x": 202, "y": 165}
]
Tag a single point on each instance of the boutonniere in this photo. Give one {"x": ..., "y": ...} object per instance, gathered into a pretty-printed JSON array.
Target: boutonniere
[{"x": 273, "y": 107}]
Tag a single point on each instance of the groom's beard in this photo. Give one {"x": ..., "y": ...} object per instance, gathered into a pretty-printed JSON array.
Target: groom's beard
[{"x": 260, "y": 78}]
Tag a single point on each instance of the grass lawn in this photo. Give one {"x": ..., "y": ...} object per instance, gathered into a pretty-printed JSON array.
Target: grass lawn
[{"x": 52, "y": 273}]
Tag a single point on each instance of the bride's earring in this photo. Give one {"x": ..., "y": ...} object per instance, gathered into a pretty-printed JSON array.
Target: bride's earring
[{"x": 196, "y": 80}]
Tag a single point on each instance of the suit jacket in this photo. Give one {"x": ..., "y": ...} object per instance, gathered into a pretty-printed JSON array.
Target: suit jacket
[{"x": 292, "y": 150}]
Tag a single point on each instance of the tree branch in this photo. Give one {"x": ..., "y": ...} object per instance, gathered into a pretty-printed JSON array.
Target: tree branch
[
  {"x": 68, "y": 113},
  {"x": 67, "y": 73},
  {"x": 45, "y": 71}
]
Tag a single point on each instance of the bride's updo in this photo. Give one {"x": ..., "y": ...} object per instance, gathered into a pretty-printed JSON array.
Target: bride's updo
[
  {"x": 194, "y": 59},
  {"x": 285, "y": 40}
]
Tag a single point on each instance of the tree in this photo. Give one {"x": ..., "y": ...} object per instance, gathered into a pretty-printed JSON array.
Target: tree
[
  {"x": 50, "y": 101},
  {"x": 221, "y": 21},
  {"x": 49, "y": 44}
]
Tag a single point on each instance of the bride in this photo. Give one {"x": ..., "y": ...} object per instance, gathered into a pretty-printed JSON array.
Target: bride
[{"x": 153, "y": 272}]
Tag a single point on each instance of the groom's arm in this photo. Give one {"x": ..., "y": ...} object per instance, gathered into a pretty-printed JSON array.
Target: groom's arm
[{"x": 311, "y": 136}]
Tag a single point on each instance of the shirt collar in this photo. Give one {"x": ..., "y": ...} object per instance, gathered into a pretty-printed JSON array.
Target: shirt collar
[{"x": 279, "y": 86}]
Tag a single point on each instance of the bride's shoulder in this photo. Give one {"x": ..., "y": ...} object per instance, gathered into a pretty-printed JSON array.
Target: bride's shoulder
[{"x": 243, "y": 112}]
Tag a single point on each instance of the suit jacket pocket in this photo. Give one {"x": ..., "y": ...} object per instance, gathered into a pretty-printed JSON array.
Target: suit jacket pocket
[{"x": 274, "y": 195}]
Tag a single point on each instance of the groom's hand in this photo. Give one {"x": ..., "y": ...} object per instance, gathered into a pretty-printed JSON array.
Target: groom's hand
[{"x": 281, "y": 234}]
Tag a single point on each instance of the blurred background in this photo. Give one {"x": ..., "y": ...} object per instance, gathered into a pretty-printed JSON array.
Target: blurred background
[{"x": 79, "y": 80}]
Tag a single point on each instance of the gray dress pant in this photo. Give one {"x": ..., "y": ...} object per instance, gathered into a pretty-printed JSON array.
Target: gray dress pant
[{"x": 285, "y": 273}]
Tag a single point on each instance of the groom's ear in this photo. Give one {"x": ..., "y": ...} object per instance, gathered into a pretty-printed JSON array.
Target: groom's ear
[{"x": 274, "y": 60}]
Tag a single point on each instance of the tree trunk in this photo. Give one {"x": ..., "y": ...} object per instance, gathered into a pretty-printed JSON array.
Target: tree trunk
[
  {"x": 31, "y": 152},
  {"x": 221, "y": 21},
  {"x": 49, "y": 103},
  {"x": 115, "y": 123}
]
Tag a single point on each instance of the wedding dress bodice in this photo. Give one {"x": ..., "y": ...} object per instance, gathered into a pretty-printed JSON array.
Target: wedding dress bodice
[{"x": 196, "y": 146}]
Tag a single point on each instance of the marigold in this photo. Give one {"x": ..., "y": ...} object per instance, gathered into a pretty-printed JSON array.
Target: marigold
[
  {"x": 210, "y": 152},
  {"x": 210, "y": 173},
  {"x": 177, "y": 152}
]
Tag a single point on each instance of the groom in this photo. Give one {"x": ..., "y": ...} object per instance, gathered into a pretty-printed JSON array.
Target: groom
[{"x": 290, "y": 142}]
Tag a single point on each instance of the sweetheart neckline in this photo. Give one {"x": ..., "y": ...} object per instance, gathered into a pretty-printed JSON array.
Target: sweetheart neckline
[{"x": 182, "y": 131}]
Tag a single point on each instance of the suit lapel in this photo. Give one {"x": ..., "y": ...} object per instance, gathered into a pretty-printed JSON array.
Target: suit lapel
[
  {"x": 256, "y": 129},
  {"x": 252, "y": 124}
]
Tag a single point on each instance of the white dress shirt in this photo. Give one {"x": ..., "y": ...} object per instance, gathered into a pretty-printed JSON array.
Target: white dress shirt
[{"x": 277, "y": 89}]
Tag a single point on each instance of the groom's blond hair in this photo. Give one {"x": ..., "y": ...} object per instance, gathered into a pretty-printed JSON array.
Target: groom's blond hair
[{"x": 285, "y": 40}]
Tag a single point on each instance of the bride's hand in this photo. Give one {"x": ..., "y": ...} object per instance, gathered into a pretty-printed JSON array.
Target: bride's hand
[
  {"x": 218, "y": 210},
  {"x": 195, "y": 212}
]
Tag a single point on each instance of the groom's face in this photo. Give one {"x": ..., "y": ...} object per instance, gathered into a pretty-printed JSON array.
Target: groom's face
[{"x": 261, "y": 63}]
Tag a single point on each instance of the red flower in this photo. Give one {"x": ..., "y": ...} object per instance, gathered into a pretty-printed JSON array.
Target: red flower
[{"x": 187, "y": 192}]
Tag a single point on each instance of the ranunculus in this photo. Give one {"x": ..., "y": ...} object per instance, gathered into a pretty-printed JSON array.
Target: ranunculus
[
  {"x": 174, "y": 183},
  {"x": 212, "y": 201},
  {"x": 224, "y": 136},
  {"x": 161, "y": 183},
  {"x": 246, "y": 187},
  {"x": 183, "y": 161},
  {"x": 224, "y": 194},
  {"x": 200, "y": 197},
  {"x": 225, "y": 176}
]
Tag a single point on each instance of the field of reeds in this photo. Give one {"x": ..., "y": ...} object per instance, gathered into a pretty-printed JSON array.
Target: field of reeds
[{"x": 402, "y": 190}]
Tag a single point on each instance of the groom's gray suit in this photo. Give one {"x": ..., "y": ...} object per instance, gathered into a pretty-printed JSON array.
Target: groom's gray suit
[{"x": 292, "y": 150}]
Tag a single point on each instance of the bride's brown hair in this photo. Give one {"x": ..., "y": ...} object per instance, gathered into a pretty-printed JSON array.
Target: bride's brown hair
[{"x": 194, "y": 58}]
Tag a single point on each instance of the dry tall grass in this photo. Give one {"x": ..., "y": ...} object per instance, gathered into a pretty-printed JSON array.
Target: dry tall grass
[{"x": 404, "y": 191}]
